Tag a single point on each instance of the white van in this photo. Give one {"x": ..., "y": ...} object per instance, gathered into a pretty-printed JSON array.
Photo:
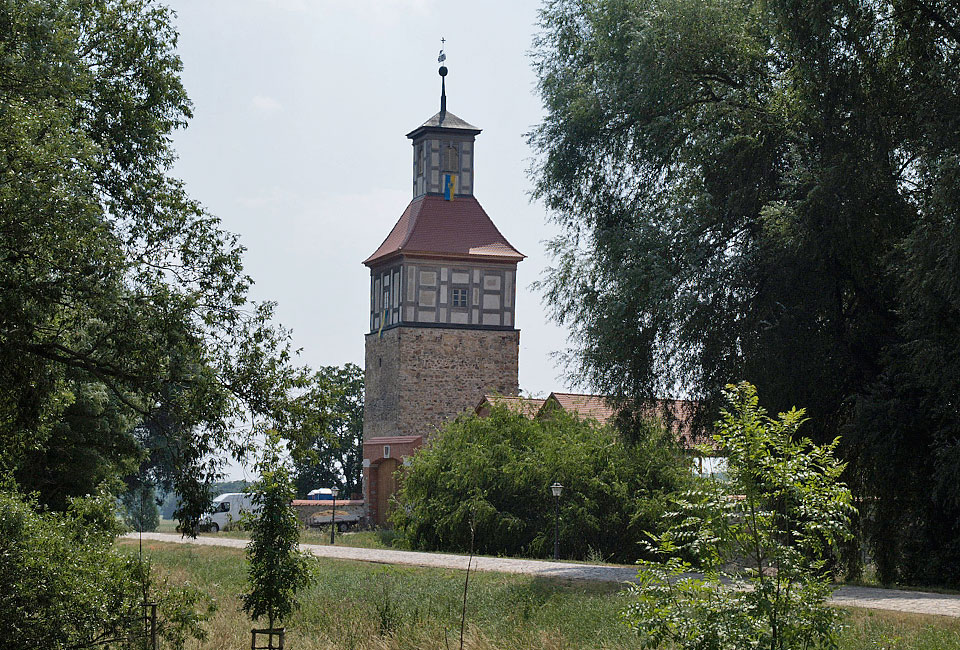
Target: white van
[{"x": 226, "y": 511}]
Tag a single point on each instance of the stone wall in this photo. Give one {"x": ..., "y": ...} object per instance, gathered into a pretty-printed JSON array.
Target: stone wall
[
  {"x": 418, "y": 378},
  {"x": 381, "y": 384}
]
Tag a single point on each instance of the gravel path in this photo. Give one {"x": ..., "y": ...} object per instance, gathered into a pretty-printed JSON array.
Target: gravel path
[{"x": 916, "y": 602}]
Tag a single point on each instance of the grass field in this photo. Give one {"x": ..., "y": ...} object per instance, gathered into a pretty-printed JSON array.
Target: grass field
[{"x": 369, "y": 606}]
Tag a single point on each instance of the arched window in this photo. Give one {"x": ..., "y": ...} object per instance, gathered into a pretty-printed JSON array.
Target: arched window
[{"x": 450, "y": 160}]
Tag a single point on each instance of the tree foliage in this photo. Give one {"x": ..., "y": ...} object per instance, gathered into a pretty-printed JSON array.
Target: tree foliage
[
  {"x": 138, "y": 507},
  {"x": 333, "y": 452},
  {"x": 129, "y": 347},
  {"x": 768, "y": 190},
  {"x": 66, "y": 586},
  {"x": 278, "y": 570},
  {"x": 492, "y": 474},
  {"x": 128, "y": 343},
  {"x": 761, "y": 539}
]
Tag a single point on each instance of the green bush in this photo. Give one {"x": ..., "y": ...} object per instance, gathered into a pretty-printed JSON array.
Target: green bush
[
  {"x": 65, "y": 586},
  {"x": 495, "y": 472},
  {"x": 762, "y": 541}
]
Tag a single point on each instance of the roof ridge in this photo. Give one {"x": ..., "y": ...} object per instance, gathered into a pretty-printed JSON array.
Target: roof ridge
[
  {"x": 675, "y": 400},
  {"x": 412, "y": 219},
  {"x": 556, "y": 392}
]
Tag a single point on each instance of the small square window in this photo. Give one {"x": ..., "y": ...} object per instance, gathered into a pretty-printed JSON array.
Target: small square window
[{"x": 459, "y": 298}]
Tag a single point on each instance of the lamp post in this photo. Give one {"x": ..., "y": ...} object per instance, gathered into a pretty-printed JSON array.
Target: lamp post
[
  {"x": 556, "y": 488},
  {"x": 333, "y": 512}
]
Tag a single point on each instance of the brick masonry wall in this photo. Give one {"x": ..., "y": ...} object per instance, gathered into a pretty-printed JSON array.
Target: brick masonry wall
[{"x": 419, "y": 378}]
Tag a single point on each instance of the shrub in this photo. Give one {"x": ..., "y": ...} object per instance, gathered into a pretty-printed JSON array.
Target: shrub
[
  {"x": 497, "y": 471},
  {"x": 64, "y": 585},
  {"x": 762, "y": 541}
]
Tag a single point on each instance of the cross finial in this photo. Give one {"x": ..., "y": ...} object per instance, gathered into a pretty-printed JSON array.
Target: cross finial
[{"x": 442, "y": 57}]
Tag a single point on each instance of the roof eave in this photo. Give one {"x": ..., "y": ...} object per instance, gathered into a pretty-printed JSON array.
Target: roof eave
[
  {"x": 442, "y": 129},
  {"x": 377, "y": 261}
]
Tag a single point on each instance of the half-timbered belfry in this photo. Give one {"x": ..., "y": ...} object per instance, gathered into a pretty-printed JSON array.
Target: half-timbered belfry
[{"x": 442, "y": 297}]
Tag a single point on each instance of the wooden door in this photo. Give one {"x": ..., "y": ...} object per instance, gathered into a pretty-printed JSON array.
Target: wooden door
[{"x": 386, "y": 486}]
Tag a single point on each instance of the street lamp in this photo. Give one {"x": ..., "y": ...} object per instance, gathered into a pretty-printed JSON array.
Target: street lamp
[
  {"x": 556, "y": 488},
  {"x": 333, "y": 512}
]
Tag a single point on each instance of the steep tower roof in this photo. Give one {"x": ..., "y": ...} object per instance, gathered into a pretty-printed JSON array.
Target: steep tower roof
[{"x": 434, "y": 227}]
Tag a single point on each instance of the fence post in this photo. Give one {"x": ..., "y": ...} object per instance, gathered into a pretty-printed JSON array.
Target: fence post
[{"x": 153, "y": 626}]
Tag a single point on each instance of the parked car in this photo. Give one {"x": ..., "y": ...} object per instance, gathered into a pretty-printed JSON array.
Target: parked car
[{"x": 227, "y": 510}]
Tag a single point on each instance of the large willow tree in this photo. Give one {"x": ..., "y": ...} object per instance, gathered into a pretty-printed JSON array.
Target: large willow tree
[{"x": 769, "y": 190}]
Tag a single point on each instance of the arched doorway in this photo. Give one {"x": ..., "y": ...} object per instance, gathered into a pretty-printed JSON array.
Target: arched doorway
[{"x": 386, "y": 486}]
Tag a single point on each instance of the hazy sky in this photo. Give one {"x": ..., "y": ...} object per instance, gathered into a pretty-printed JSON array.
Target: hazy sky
[{"x": 298, "y": 144}]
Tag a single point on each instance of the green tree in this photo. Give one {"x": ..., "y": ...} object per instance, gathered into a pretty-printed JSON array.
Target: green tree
[
  {"x": 278, "y": 570},
  {"x": 493, "y": 474},
  {"x": 126, "y": 334},
  {"x": 128, "y": 342},
  {"x": 93, "y": 441},
  {"x": 333, "y": 454},
  {"x": 761, "y": 539},
  {"x": 767, "y": 189}
]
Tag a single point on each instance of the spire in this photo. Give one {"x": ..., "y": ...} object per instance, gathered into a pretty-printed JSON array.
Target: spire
[
  {"x": 443, "y": 120},
  {"x": 443, "y": 90},
  {"x": 443, "y": 80}
]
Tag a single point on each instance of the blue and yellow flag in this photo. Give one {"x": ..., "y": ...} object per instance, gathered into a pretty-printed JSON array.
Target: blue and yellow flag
[{"x": 449, "y": 186}]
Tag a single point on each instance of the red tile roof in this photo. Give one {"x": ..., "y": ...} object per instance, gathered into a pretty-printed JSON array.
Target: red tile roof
[
  {"x": 679, "y": 413},
  {"x": 586, "y": 406},
  {"x": 458, "y": 229},
  {"x": 526, "y": 406}
]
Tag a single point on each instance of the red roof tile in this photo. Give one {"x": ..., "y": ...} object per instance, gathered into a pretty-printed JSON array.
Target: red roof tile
[{"x": 458, "y": 229}]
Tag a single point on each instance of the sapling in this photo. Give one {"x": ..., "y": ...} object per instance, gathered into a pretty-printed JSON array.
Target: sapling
[
  {"x": 277, "y": 569},
  {"x": 762, "y": 540}
]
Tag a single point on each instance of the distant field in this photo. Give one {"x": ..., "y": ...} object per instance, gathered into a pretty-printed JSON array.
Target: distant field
[
  {"x": 367, "y": 606},
  {"x": 167, "y": 526}
]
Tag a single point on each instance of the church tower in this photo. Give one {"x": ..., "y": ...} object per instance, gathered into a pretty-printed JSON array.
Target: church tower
[{"x": 442, "y": 297}]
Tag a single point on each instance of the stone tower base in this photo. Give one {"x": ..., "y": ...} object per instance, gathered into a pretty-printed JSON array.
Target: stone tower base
[{"x": 418, "y": 378}]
